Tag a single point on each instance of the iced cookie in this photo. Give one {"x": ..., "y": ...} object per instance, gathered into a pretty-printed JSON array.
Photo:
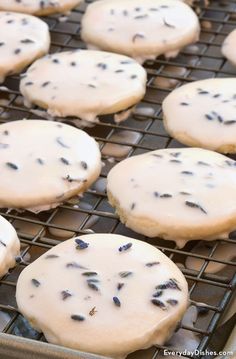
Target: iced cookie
[
  {"x": 229, "y": 47},
  {"x": 115, "y": 294},
  {"x": 43, "y": 163},
  {"x": 202, "y": 114},
  {"x": 177, "y": 194},
  {"x": 85, "y": 84},
  {"x": 23, "y": 38},
  {"x": 9, "y": 246},
  {"x": 142, "y": 29},
  {"x": 39, "y": 7}
]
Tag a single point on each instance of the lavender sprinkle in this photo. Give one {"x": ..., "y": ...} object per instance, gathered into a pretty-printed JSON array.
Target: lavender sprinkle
[
  {"x": 116, "y": 301},
  {"x": 125, "y": 247}
]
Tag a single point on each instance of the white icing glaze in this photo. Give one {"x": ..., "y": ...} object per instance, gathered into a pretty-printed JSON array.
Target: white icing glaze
[
  {"x": 84, "y": 84},
  {"x": 39, "y": 7},
  {"x": 168, "y": 193},
  {"x": 142, "y": 29},
  {"x": 111, "y": 330},
  {"x": 9, "y": 246},
  {"x": 202, "y": 113},
  {"x": 229, "y": 47},
  {"x": 23, "y": 39},
  {"x": 43, "y": 163},
  {"x": 224, "y": 251}
]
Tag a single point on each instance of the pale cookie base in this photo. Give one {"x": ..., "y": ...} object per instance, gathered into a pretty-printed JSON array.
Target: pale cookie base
[
  {"x": 111, "y": 330},
  {"x": 9, "y": 246},
  {"x": 228, "y": 47},
  {"x": 185, "y": 138},
  {"x": 63, "y": 6},
  {"x": 181, "y": 234}
]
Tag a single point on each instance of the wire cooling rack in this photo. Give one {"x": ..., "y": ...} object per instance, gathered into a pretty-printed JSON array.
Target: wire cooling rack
[{"x": 142, "y": 132}]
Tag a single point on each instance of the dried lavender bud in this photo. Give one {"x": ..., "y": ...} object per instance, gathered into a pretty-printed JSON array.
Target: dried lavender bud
[
  {"x": 65, "y": 294},
  {"x": 84, "y": 165},
  {"x": 141, "y": 17},
  {"x": 81, "y": 244},
  {"x": 170, "y": 284},
  {"x": 195, "y": 205},
  {"x": 132, "y": 206},
  {"x": 120, "y": 286},
  {"x": 64, "y": 161},
  {"x": 151, "y": 264},
  {"x": 12, "y": 165},
  {"x": 156, "y": 155},
  {"x": 158, "y": 303},
  {"x": 61, "y": 142},
  {"x": 27, "y": 41},
  {"x": 187, "y": 173},
  {"x": 158, "y": 294},
  {"x": 137, "y": 36},
  {"x": 202, "y": 92},
  {"x": 175, "y": 154},
  {"x": 77, "y": 317},
  {"x": 51, "y": 256},
  {"x": 75, "y": 265},
  {"x": 3, "y": 145},
  {"x": 40, "y": 161},
  {"x": 116, "y": 301},
  {"x": 185, "y": 193},
  {"x": 93, "y": 311},
  {"x": 89, "y": 274},
  {"x": 125, "y": 247},
  {"x": 166, "y": 195},
  {"x": 175, "y": 161},
  {"x": 92, "y": 285},
  {"x": 125, "y": 274},
  {"x": 102, "y": 66},
  {"x": 209, "y": 117},
  {"x": 203, "y": 163},
  {"x": 93, "y": 280},
  {"x": 35, "y": 282},
  {"x": 2, "y": 243},
  {"x": 172, "y": 302},
  {"x": 168, "y": 24}
]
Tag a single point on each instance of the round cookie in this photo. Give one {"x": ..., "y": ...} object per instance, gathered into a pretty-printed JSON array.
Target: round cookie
[
  {"x": 202, "y": 114},
  {"x": 39, "y": 7},
  {"x": 229, "y": 47},
  {"x": 142, "y": 29},
  {"x": 84, "y": 83},
  {"x": 9, "y": 246},
  {"x": 177, "y": 194},
  {"x": 115, "y": 294},
  {"x": 23, "y": 38},
  {"x": 43, "y": 163}
]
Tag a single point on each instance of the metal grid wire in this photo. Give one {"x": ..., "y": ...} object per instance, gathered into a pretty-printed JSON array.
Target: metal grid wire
[{"x": 40, "y": 232}]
